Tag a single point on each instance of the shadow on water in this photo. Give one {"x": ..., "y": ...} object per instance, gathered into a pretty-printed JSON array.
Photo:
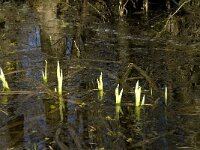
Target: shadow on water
[{"x": 87, "y": 42}]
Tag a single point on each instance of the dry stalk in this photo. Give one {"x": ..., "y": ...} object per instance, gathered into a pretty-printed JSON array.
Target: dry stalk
[{"x": 171, "y": 16}]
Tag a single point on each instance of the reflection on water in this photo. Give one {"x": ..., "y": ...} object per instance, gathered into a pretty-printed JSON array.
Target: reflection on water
[
  {"x": 52, "y": 38},
  {"x": 84, "y": 118},
  {"x": 35, "y": 127},
  {"x": 61, "y": 108}
]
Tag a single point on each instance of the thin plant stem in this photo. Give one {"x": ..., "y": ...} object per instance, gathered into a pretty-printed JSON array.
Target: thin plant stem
[
  {"x": 3, "y": 79},
  {"x": 118, "y": 95},
  {"x": 143, "y": 100},
  {"x": 137, "y": 94},
  {"x": 44, "y": 73},
  {"x": 100, "y": 82},
  {"x": 166, "y": 95},
  {"x": 60, "y": 78}
]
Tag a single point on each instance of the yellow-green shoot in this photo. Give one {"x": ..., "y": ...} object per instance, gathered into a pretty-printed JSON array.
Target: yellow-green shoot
[
  {"x": 143, "y": 100},
  {"x": 3, "y": 79},
  {"x": 60, "y": 78},
  {"x": 118, "y": 110},
  {"x": 100, "y": 82},
  {"x": 151, "y": 91},
  {"x": 44, "y": 73},
  {"x": 118, "y": 95},
  {"x": 165, "y": 95},
  {"x": 137, "y": 94},
  {"x": 100, "y": 95},
  {"x": 137, "y": 113}
]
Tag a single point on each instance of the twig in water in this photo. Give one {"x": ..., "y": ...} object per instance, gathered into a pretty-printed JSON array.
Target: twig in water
[{"x": 171, "y": 16}]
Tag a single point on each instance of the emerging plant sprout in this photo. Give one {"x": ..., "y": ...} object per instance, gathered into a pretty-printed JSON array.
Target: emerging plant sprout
[
  {"x": 118, "y": 110},
  {"x": 3, "y": 79},
  {"x": 44, "y": 73},
  {"x": 100, "y": 82},
  {"x": 137, "y": 113},
  {"x": 165, "y": 95},
  {"x": 118, "y": 95},
  {"x": 100, "y": 95},
  {"x": 137, "y": 94},
  {"x": 60, "y": 78},
  {"x": 143, "y": 101}
]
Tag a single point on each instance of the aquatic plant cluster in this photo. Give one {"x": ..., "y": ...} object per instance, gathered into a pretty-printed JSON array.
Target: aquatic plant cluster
[
  {"x": 118, "y": 95},
  {"x": 59, "y": 77},
  {"x": 100, "y": 85}
]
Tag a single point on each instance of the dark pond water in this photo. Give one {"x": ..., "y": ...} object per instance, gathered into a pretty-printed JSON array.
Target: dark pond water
[{"x": 33, "y": 116}]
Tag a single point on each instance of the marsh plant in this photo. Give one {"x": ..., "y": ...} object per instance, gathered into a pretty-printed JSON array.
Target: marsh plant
[
  {"x": 138, "y": 91},
  {"x": 100, "y": 95},
  {"x": 143, "y": 100},
  {"x": 100, "y": 82},
  {"x": 3, "y": 80},
  {"x": 118, "y": 110},
  {"x": 60, "y": 78},
  {"x": 100, "y": 86},
  {"x": 118, "y": 95},
  {"x": 137, "y": 113},
  {"x": 44, "y": 73},
  {"x": 165, "y": 95}
]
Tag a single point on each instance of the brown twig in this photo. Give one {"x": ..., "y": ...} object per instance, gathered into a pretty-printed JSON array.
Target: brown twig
[
  {"x": 97, "y": 11},
  {"x": 171, "y": 16},
  {"x": 6, "y": 113},
  {"x": 142, "y": 72}
]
